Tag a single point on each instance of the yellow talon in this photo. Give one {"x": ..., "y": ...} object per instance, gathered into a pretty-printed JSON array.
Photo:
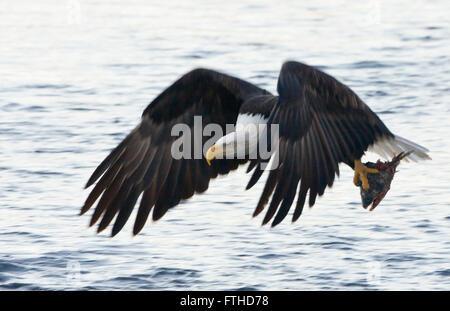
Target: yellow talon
[{"x": 361, "y": 172}]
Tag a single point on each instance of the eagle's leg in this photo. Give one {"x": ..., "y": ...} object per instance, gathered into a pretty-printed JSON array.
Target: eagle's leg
[{"x": 361, "y": 174}]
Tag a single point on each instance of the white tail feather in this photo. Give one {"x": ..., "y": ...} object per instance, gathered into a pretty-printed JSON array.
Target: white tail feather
[{"x": 388, "y": 147}]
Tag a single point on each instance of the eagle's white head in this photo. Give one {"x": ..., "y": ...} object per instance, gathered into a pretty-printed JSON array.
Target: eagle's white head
[{"x": 240, "y": 143}]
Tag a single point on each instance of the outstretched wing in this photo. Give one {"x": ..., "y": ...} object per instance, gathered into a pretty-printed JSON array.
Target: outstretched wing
[
  {"x": 142, "y": 162},
  {"x": 322, "y": 123}
]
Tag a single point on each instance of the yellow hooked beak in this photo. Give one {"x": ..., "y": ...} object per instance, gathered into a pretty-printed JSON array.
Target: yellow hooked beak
[{"x": 212, "y": 153}]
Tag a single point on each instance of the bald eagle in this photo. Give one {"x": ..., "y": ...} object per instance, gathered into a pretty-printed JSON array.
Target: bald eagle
[{"x": 322, "y": 123}]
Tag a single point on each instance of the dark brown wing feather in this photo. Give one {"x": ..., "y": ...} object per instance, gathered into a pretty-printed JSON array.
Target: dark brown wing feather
[
  {"x": 322, "y": 123},
  {"x": 142, "y": 162}
]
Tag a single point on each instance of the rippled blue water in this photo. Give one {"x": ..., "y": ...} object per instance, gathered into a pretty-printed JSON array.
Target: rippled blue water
[{"x": 76, "y": 75}]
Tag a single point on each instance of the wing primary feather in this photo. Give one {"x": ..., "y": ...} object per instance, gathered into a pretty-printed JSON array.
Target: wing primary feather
[
  {"x": 341, "y": 140},
  {"x": 305, "y": 181},
  {"x": 160, "y": 181},
  {"x": 321, "y": 162},
  {"x": 300, "y": 201},
  {"x": 150, "y": 174},
  {"x": 188, "y": 190},
  {"x": 126, "y": 210},
  {"x": 127, "y": 154},
  {"x": 106, "y": 163},
  {"x": 106, "y": 180},
  {"x": 112, "y": 210},
  {"x": 313, "y": 179},
  {"x": 135, "y": 182},
  {"x": 285, "y": 174},
  {"x": 329, "y": 146},
  {"x": 131, "y": 164},
  {"x": 180, "y": 182},
  {"x": 106, "y": 199},
  {"x": 287, "y": 202},
  {"x": 117, "y": 152},
  {"x": 292, "y": 183},
  {"x": 267, "y": 191},
  {"x": 144, "y": 209},
  {"x": 167, "y": 193},
  {"x": 252, "y": 165},
  {"x": 255, "y": 176},
  {"x": 335, "y": 149}
]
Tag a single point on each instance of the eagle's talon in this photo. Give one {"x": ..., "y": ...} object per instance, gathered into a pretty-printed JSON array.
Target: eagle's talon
[{"x": 361, "y": 172}]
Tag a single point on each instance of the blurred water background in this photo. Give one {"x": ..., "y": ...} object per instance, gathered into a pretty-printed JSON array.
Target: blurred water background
[{"x": 76, "y": 75}]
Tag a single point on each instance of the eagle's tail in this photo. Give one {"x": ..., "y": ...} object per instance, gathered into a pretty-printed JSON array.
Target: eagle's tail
[{"x": 391, "y": 146}]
